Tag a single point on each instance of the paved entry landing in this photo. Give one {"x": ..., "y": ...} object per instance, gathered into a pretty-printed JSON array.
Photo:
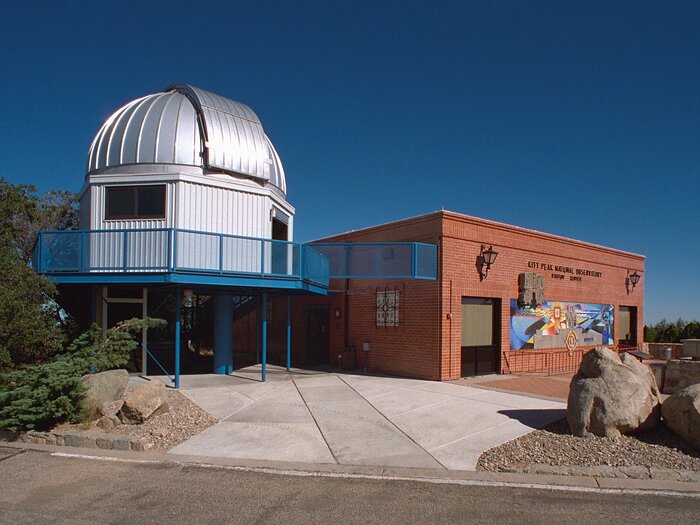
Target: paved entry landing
[{"x": 306, "y": 416}]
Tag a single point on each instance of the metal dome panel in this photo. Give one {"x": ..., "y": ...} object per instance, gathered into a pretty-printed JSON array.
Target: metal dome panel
[
  {"x": 276, "y": 171},
  {"x": 189, "y": 126},
  {"x": 156, "y": 129},
  {"x": 235, "y": 140}
]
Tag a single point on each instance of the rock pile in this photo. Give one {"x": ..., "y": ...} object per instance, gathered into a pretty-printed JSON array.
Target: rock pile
[
  {"x": 143, "y": 402},
  {"x": 103, "y": 389},
  {"x": 109, "y": 405}
]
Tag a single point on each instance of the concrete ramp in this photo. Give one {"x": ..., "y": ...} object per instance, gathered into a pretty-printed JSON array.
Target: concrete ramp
[
  {"x": 359, "y": 420},
  {"x": 356, "y": 432}
]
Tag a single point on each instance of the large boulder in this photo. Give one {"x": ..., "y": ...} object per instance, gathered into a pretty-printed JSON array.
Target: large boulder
[
  {"x": 681, "y": 413},
  {"x": 102, "y": 389},
  {"x": 143, "y": 402},
  {"x": 612, "y": 395}
]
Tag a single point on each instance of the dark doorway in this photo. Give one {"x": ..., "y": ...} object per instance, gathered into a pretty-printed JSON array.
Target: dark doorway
[
  {"x": 281, "y": 252},
  {"x": 317, "y": 335},
  {"x": 196, "y": 333},
  {"x": 628, "y": 326},
  {"x": 481, "y": 329},
  {"x": 280, "y": 231}
]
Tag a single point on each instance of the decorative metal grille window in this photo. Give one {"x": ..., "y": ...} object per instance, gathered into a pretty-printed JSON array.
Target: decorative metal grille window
[{"x": 388, "y": 308}]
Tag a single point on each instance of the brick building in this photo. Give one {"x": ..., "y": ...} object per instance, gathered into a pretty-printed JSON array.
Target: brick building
[
  {"x": 184, "y": 216},
  {"x": 544, "y": 301}
]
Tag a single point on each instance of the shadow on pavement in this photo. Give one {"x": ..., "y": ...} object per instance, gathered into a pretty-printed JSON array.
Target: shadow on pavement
[{"x": 535, "y": 418}]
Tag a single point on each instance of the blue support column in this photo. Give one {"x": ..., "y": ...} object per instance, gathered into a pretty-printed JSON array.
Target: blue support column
[
  {"x": 223, "y": 334},
  {"x": 264, "y": 337},
  {"x": 178, "y": 307},
  {"x": 257, "y": 331},
  {"x": 289, "y": 332}
]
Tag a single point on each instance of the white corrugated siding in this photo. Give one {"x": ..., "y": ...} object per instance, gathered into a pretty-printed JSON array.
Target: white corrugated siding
[
  {"x": 144, "y": 250},
  {"x": 222, "y": 210},
  {"x": 219, "y": 210},
  {"x": 190, "y": 206}
]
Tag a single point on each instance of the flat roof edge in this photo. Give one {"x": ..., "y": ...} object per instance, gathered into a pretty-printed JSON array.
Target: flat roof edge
[
  {"x": 385, "y": 225},
  {"x": 536, "y": 233},
  {"x": 445, "y": 214}
]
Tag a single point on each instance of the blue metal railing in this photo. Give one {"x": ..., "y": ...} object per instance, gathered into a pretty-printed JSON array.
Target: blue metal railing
[
  {"x": 388, "y": 260},
  {"x": 175, "y": 250},
  {"x": 149, "y": 354},
  {"x": 156, "y": 250}
]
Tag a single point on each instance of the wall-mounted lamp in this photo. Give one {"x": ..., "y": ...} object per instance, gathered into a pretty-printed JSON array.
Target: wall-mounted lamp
[
  {"x": 632, "y": 279},
  {"x": 488, "y": 257}
]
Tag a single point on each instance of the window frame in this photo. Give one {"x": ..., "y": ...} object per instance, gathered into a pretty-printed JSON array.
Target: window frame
[{"x": 135, "y": 215}]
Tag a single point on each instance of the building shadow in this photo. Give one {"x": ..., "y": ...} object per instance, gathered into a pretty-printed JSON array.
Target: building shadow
[{"x": 539, "y": 418}]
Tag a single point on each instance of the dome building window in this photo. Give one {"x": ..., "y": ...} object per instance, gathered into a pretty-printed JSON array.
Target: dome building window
[{"x": 135, "y": 202}]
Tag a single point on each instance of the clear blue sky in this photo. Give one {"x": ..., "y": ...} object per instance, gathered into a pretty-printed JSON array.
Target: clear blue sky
[{"x": 575, "y": 118}]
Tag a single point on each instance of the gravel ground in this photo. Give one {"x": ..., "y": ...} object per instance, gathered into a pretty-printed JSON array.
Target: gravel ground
[
  {"x": 554, "y": 445},
  {"x": 181, "y": 422},
  {"x": 164, "y": 431}
]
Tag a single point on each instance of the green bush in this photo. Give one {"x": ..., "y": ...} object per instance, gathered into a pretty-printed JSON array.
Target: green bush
[
  {"x": 37, "y": 397},
  {"x": 92, "y": 352},
  {"x": 5, "y": 359}
]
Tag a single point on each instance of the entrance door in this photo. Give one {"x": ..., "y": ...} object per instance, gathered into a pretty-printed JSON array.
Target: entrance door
[
  {"x": 481, "y": 327},
  {"x": 317, "y": 335},
  {"x": 628, "y": 326},
  {"x": 121, "y": 304}
]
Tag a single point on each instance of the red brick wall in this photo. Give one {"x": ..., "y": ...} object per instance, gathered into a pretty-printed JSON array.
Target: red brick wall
[
  {"x": 462, "y": 240},
  {"x": 412, "y": 348},
  {"x": 427, "y": 343}
]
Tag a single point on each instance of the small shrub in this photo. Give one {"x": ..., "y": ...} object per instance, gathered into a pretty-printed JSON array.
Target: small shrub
[
  {"x": 37, "y": 397},
  {"x": 94, "y": 352}
]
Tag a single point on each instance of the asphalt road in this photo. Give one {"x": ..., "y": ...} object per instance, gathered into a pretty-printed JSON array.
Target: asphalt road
[{"x": 40, "y": 488}]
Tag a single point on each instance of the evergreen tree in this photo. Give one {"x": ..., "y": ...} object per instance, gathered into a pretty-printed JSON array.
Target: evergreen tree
[
  {"x": 30, "y": 325},
  {"x": 665, "y": 332}
]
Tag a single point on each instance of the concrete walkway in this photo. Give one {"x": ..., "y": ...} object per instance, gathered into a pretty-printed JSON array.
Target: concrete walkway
[{"x": 316, "y": 417}]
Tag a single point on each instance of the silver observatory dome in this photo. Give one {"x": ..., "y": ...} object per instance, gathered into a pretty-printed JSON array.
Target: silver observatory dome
[{"x": 185, "y": 126}]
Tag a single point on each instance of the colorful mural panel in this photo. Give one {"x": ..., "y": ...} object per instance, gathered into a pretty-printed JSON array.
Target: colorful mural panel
[{"x": 558, "y": 324}]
